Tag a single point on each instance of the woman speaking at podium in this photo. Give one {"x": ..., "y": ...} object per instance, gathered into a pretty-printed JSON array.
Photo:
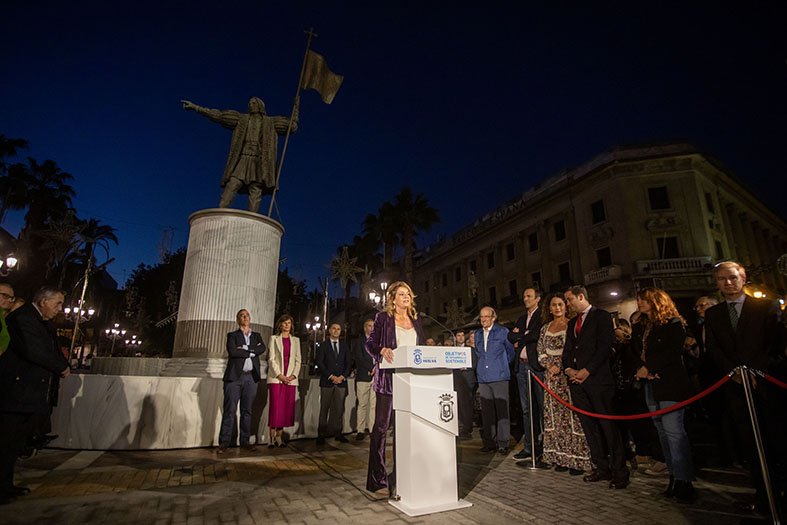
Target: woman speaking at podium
[{"x": 397, "y": 325}]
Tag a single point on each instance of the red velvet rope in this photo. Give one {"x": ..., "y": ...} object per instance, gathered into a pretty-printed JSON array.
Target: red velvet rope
[
  {"x": 775, "y": 381},
  {"x": 676, "y": 406}
]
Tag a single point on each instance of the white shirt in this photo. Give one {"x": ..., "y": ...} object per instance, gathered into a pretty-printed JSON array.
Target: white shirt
[
  {"x": 406, "y": 336},
  {"x": 486, "y": 338},
  {"x": 247, "y": 366},
  {"x": 523, "y": 352}
]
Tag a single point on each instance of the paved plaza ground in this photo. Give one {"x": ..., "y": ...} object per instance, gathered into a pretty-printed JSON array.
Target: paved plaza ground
[{"x": 306, "y": 484}]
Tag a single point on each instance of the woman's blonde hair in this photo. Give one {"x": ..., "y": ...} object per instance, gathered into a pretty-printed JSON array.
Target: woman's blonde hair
[
  {"x": 662, "y": 308},
  {"x": 391, "y": 294}
]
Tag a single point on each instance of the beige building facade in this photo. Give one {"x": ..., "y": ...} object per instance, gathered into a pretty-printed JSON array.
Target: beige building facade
[{"x": 631, "y": 217}]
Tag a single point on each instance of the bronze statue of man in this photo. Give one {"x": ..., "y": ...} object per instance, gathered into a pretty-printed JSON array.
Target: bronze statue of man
[{"x": 251, "y": 164}]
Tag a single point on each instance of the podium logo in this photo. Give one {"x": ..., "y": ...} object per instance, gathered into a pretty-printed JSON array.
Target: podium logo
[
  {"x": 446, "y": 407},
  {"x": 417, "y": 356}
]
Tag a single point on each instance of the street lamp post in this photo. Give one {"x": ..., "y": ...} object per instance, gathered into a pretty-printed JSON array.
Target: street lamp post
[
  {"x": 314, "y": 328},
  {"x": 378, "y": 299},
  {"x": 133, "y": 341},
  {"x": 79, "y": 313},
  {"x": 114, "y": 333}
]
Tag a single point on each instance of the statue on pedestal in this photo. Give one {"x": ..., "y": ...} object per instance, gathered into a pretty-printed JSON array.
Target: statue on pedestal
[{"x": 251, "y": 165}]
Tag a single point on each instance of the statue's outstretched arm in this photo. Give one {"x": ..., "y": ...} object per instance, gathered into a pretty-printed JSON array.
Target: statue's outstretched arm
[
  {"x": 189, "y": 105},
  {"x": 227, "y": 118}
]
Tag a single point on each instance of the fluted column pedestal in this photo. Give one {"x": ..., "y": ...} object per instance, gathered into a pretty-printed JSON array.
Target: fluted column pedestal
[{"x": 232, "y": 262}]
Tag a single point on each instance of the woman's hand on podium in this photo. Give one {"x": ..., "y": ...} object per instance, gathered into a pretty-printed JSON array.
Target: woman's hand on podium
[{"x": 387, "y": 354}]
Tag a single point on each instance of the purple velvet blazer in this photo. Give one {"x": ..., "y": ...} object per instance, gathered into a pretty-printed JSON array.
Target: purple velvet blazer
[{"x": 384, "y": 336}]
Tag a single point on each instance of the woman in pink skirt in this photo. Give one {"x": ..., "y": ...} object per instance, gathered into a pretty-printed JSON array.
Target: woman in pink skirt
[{"x": 284, "y": 363}]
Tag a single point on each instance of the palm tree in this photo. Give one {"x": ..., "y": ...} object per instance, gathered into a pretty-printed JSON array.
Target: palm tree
[
  {"x": 60, "y": 242},
  {"x": 13, "y": 190},
  {"x": 92, "y": 235},
  {"x": 384, "y": 229},
  {"x": 48, "y": 194},
  {"x": 414, "y": 215},
  {"x": 8, "y": 148}
]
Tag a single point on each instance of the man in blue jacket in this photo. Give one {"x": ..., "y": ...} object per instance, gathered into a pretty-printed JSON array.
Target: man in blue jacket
[{"x": 494, "y": 353}]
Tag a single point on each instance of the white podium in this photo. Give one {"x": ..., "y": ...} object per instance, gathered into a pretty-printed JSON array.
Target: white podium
[{"x": 426, "y": 427}]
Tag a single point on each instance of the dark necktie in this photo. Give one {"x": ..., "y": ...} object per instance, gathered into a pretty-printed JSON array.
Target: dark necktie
[
  {"x": 733, "y": 315},
  {"x": 336, "y": 348},
  {"x": 578, "y": 327}
]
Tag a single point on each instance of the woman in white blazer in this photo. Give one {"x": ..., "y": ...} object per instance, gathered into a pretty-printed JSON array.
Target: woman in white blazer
[{"x": 284, "y": 364}]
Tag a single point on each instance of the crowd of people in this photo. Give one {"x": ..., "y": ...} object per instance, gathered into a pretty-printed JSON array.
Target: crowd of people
[
  {"x": 561, "y": 351},
  {"x": 609, "y": 366},
  {"x": 582, "y": 355}
]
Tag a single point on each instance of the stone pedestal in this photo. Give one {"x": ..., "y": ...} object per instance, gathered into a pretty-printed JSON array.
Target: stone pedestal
[{"x": 232, "y": 262}]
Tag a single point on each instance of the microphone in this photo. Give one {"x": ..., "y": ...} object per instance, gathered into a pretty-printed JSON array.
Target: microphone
[{"x": 424, "y": 314}]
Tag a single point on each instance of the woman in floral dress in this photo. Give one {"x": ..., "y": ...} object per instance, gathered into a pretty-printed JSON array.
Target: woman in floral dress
[{"x": 565, "y": 445}]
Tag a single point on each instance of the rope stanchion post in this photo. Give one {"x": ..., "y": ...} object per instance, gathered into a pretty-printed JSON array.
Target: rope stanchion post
[
  {"x": 530, "y": 414},
  {"x": 755, "y": 426}
]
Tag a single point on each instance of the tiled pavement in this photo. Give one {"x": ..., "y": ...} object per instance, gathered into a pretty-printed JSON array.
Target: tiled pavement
[{"x": 304, "y": 484}]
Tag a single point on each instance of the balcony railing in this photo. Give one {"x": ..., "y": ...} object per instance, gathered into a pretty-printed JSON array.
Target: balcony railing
[
  {"x": 681, "y": 265},
  {"x": 606, "y": 273}
]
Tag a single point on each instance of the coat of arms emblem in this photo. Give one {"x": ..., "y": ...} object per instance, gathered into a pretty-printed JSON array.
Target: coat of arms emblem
[{"x": 446, "y": 407}]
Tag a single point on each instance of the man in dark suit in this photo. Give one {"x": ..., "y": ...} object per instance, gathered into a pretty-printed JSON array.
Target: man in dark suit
[
  {"x": 240, "y": 381},
  {"x": 30, "y": 371},
  {"x": 524, "y": 337},
  {"x": 364, "y": 374},
  {"x": 465, "y": 383},
  {"x": 740, "y": 331},
  {"x": 589, "y": 338},
  {"x": 333, "y": 363}
]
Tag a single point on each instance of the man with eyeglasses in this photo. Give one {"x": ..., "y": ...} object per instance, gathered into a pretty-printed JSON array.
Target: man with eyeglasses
[
  {"x": 493, "y": 352},
  {"x": 30, "y": 371},
  {"x": 6, "y": 302}
]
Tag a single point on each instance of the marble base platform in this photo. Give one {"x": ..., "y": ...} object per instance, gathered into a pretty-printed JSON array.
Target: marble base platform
[
  {"x": 110, "y": 412},
  {"x": 128, "y": 366}
]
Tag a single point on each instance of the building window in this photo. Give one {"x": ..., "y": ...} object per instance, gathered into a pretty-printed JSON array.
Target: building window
[
  {"x": 604, "y": 257},
  {"x": 535, "y": 280},
  {"x": 426, "y": 286},
  {"x": 659, "y": 198},
  {"x": 709, "y": 202},
  {"x": 427, "y": 310},
  {"x": 445, "y": 307},
  {"x": 472, "y": 266},
  {"x": 564, "y": 272},
  {"x": 668, "y": 247},
  {"x": 532, "y": 241},
  {"x": 459, "y": 302},
  {"x": 560, "y": 230},
  {"x": 597, "y": 212},
  {"x": 512, "y": 288},
  {"x": 457, "y": 274},
  {"x": 492, "y": 295},
  {"x": 510, "y": 252},
  {"x": 719, "y": 250},
  {"x": 444, "y": 279},
  {"x": 490, "y": 260}
]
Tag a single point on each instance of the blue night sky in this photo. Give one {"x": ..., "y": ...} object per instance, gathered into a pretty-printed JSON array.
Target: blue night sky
[{"x": 469, "y": 105}]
